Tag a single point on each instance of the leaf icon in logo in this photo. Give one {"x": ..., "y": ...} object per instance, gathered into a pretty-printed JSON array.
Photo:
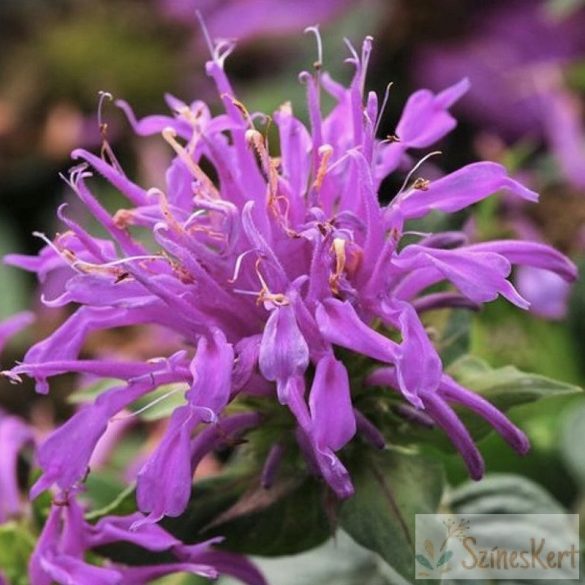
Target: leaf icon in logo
[
  {"x": 430, "y": 549},
  {"x": 445, "y": 558},
  {"x": 424, "y": 562}
]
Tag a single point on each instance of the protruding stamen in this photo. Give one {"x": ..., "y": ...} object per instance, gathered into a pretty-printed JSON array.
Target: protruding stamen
[
  {"x": 150, "y": 404},
  {"x": 238, "y": 266},
  {"x": 325, "y": 153},
  {"x": 118, "y": 262},
  {"x": 102, "y": 97},
  {"x": 107, "y": 153},
  {"x": 318, "y": 64},
  {"x": 210, "y": 189},
  {"x": 421, "y": 184},
  {"x": 205, "y": 32},
  {"x": 265, "y": 295},
  {"x": 416, "y": 167},
  {"x": 66, "y": 255},
  {"x": 338, "y": 248},
  {"x": 383, "y": 107},
  {"x": 241, "y": 107}
]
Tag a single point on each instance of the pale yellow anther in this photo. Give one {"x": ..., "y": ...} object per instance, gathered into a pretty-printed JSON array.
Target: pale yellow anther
[
  {"x": 209, "y": 189},
  {"x": 265, "y": 295},
  {"x": 241, "y": 107},
  {"x": 286, "y": 109},
  {"x": 325, "y": 153},
  {"x": 338, "y": 249},
  {"x": 421, "y": 184},
  {"x": 123, "y": 218}
]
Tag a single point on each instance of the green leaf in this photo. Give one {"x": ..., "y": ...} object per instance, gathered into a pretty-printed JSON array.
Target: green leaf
[
  {"x": 289, "y": 518},
  {"x": 506, "y": 387},
  {"x": 513, "y": 494},
  {"x": 91, "y": 392},
  {"x": 391, "y": 488},
  {"x": 16, "y": 546},
  {"x": 503, "y": 493},
  {"x": 122, "y": 504},
  {"x": 456, "y": 336},
  {"x": 340, "y": 561},
  {"x": 571, "y": 443}
]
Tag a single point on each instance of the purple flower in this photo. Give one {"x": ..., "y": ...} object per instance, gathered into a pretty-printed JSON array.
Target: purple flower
[
  {"x": 59, "y": 556},
  {"x": 266, "y": 272},
  {"x": 14, "y": 436},
  {"x": 252, "y": 18},
  {"x": 517, "y": 55},
  {"x": 513, "y": 54},
  {"x": 13, "y": 325}
]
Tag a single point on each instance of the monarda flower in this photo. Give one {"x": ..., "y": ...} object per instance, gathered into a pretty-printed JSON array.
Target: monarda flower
[
  {"x": 60, "y": 553},
  {"x": 271, "y": 268}
]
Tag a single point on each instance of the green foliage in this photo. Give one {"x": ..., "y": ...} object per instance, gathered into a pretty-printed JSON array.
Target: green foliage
[
  {"x": 289, "y": 518},
  {"x": 391, "y": 488},
  {"x": 571, "y": 443},
  {"x": 502, "y": 494},
  {"x": 16, "y": 546}
]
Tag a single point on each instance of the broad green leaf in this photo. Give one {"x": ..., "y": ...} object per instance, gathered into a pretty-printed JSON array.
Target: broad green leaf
[
  {"x": 289, "y": 518},
  {"x": 571, "y": 442},
  {"x": 16, "y": 546},
  {"x": 503, "y": 494},
  {"x": 455, "y": 338},
  {"x": 506, "y": 387},
  {"x": 511, "y": 494},
  {"x": 391, "y": 488},
  {"x": 340, "y": 561}
]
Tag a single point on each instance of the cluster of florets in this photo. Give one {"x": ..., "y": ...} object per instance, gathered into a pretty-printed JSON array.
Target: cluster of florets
[{"x": 263, "y": 271}]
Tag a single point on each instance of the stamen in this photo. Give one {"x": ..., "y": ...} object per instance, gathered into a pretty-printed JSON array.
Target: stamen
[
  {"x": 383, "y": 107},
  {"x": 205, "y": 32},
  {"x": 107, "y": 153},
  {"x": 325, "y": 153},
  {"x": 238, "y": 266},
  {"x": 166, "y": 211},
  {"x": 211, "y": 191},
  {"x": 64, "y": 254},
  {"x": 338, "y": 248},
  {"x": 416, "y": 167},
  {"x": 150, "y": 404},
  {"x": 120, "y": 261},
  {"x": 343, "y": 159},
  {"x": 421, "y": 184},
  {"x": 103, "y": 96},
  {"x": 318, "y": 64},
  {"x": 241, "y": 107},
  {"x": 194, "y": 216},
  {"x": 265, "y": 295}
]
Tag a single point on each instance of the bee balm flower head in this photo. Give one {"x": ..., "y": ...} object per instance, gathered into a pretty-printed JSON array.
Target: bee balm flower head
[{"x": 268, "y": 267}]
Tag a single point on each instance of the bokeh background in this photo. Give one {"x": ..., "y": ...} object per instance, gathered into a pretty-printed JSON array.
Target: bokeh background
[{"x": 526, "y": 63}]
